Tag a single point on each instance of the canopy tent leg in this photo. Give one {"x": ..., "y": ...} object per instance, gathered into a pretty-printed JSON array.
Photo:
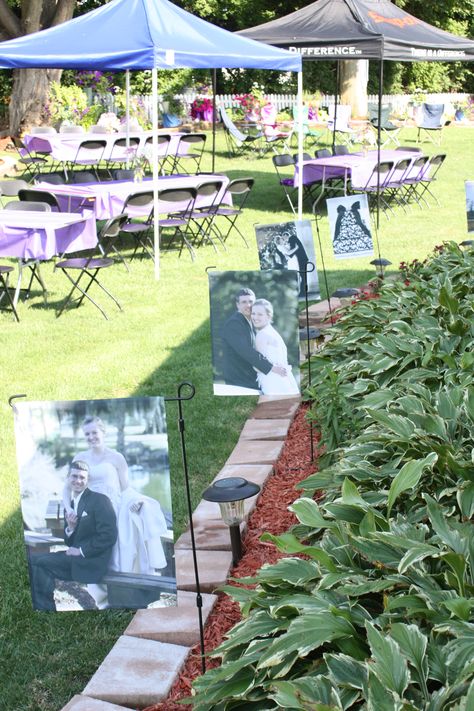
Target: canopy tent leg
[
  {"x": 154, "y": 154},
  {"x": 299, "y": 103}
]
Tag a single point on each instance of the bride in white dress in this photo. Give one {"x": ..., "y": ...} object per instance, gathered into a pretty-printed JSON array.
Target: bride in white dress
[
  {"x": 140, "y": 519},
  {"x": 269, "y": 343}
]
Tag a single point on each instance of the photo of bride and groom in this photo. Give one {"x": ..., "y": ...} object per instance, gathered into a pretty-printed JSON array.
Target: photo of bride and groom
[
  {"x": 254, "y": 328},
  {"x": 96, "y": 503}
]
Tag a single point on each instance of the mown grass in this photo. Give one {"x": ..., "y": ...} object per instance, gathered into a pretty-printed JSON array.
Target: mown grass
[{"x": 160, "y": 340}]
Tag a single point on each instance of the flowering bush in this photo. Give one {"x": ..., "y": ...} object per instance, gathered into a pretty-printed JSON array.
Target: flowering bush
[
  {"x": 252, "y": 103},
  {"x": 99, "y": 82},
  {"x": 65, "y": 103},
  {"x": 201, "y": 106},
  {"x": 137, "y": 110}
]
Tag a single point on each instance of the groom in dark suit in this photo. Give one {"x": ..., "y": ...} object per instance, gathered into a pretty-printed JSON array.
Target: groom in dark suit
[
  {"x": 238, "y": 337},
  {"x": 90, "y": 533}
]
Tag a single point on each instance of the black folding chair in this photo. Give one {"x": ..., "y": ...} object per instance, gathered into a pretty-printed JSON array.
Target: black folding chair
[
  {"x": 89, "y": 153},
  {"x": 429, "y": 176},
  {"x": 190, "y": 148},
  {"x": 123, "y": 174},
  {"x": 178, "y": 221},
  {"x": 30, "y": 162},
  {"x": 30, "y": 195},
  {"x": 341, "y": 150},
  {"x": 121, "y": 153},
  {"x": 108, "y": 237},
  {"x": 4, "y": 292},
  {"x": 202, "y": 218},
  {"x": 138, "y": 207},
  {"x": 85, "y": 270},
  {"x": 322, "y": 153},
  {"x": 239, "y": 189},
  {"x": 287, "y": 181},
  {"x": 10, "y": 188}
]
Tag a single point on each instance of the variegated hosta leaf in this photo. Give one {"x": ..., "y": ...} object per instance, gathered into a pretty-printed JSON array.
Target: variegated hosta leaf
[
  {"x": 441, "y": 525},
  {"x": 288, "y": 543},
  {"x": 259, "y": 624},
  {"x": 306, "y": 694},
  {"x": 401, "y": 426},
  {"x": 413, "y": 644},
  {"x": 308, "y": 512},
  {"x": 380, "y": 698},
  {"x": 346, "y": 671},
  {"x": 305, "y": 634},
  {"x": 390, "y": 665},
  {"x": 408, "y": 477}
]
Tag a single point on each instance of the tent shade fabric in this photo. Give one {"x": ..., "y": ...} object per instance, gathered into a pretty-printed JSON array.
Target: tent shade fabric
[
  {"x": 140, "y": 34},
  {"x": 361, "y": 29}
]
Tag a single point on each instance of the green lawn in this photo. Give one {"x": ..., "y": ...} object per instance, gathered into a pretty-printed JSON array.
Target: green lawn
[{"x": 160, "y": 339}]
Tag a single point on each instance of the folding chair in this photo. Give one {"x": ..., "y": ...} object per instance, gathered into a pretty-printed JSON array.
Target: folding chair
[
  {"x": 310, "y": 135},
  {"x": 39, "y": 196},
  {"x": 388, "y": 130},
  {"x": 71, "y": 129},
  {"x": 413, "y": 178},
  {"x": 4, "y": 292},
  {"x": 123, "y": 174},
  {"x": 237, "y": 141},
  {"x": 10, "y": 188},
  {"x": 377, "y": 184},
  {"x": 89, "y": 153},
  {"x": 42, "y": 130},
  {"x": 82, "y": 176},
  {"x": 137, "y": 206},
  {"x": 190, "y": 147},
  {"x": 429, "y": 176},
  {"x": 341, "y": 150},
  {"x": 394, "y": 187},
  {"x": 322, "y": 153},
  {"x": 121, "y": 153},
  {"x": 239, "y": 189},
  {"x": 34, "y": 264},
  {"x": 203, "y": 217},
  {"x": 432, "y": 123},
  {"x": 287, "y": 182},
  {"x": 108, "y": 237},
  {"x": 164, "y": 142},
  {"x": 338, "y": 124},
  {"x": 30, "y": 163},
  {"x": 85, "y": 269},
  {"x": 53, "y": 178},
  {"x": 177, "y": 220}
]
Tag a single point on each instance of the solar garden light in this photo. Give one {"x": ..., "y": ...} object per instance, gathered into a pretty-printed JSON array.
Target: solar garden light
[
  {"x": 309, "y": 339},
  {"x": 380, "y": 265},
  {"x": 230, "y": 493},
  {"x": 345, "y": 294},
  {"x": 467, "y": 243}
]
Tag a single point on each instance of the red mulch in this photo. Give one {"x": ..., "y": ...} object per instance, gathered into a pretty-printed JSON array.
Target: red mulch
[{"x": 270, "y": 515}]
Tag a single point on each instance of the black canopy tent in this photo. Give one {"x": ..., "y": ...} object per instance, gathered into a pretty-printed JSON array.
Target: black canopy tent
[{"x": 361, "y": 29}]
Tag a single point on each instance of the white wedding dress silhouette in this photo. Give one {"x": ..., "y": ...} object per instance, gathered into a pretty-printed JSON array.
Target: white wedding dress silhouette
[{"x": 270, "y": 344}]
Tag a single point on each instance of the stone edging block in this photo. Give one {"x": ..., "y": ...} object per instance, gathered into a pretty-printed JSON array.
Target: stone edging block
[{"x": 137, "y": 672}]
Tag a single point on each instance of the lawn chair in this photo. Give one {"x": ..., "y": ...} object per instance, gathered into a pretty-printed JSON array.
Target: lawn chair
[
  {"x": 138, "y": 207},
  {"x": 310, "y": 135},
  {"x": 388, "y": 130},
  {"x": 108, "y": 236},
  {"x": 338, "y": 124},
  {"x": 89, "y": 153},
  {"x": 29, "y": 195},
  {"x": 237, "y": 141},
  {"x": 4, "y": 292},
  {"x": 190, "y": 148},
  {"x": 432, "y": 123}
]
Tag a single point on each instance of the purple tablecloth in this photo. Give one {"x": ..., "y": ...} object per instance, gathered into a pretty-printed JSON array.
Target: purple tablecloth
[
  {"x": 355, "y": 166},
  {"x": 42, "y": 235},
  {"x": 63, "y": 146},
  {"x": 107, "y": 199}
]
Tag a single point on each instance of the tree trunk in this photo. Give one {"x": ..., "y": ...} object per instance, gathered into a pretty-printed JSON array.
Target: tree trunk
[
  {"x": 354, "y": 77},
  {"x": 31, "y": 86},
  {"x": 29, "y": 97}
]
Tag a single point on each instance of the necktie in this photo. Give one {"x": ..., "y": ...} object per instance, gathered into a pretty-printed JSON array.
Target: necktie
[{"x": 73, "y": 506}]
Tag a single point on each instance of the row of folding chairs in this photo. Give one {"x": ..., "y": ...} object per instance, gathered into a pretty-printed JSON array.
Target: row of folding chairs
[{"x": 90, "y": 154}]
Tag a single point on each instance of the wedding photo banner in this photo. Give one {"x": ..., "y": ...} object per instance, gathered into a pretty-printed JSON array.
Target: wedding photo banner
[
  {"x": 289, "y": 245},
  {"x": 470, "y": 205},
  {"x": 349, "y": 225},
  {"x": 255, "y": 332},
  {"x": 96, "y": 503}
]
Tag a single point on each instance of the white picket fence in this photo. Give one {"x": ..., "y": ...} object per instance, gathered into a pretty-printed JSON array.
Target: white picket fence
[{"x": 398, "y": 102}]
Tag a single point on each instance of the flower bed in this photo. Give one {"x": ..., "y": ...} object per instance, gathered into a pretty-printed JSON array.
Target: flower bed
[{"x": 376, "y": 613}]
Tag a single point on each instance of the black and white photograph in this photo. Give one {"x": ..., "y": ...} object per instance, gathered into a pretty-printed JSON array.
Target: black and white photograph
[
  {"x": 289, "y": 245},
  {"x": 470, "y": 205},
  {"x": 254, "y": 332},
  {"x": 96, "y": 503},
  {"x": 349, "y": 224}
]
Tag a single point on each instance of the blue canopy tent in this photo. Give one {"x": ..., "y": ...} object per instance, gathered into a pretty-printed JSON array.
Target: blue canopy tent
[{"x": 141, "y": 34}]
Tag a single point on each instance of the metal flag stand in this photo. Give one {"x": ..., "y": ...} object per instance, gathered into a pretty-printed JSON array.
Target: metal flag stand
[
  {"x": 318, "y": 217},
  {"x": 310, "y": 267},
  {"x": 180, "y": 398}
]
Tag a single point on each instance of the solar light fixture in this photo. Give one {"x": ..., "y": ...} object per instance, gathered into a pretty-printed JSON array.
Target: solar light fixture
[
  {"x": 380, "y": 265},
  {"x": 230, "y": 493}
]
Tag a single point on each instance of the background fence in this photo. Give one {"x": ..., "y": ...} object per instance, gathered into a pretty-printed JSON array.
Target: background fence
[{"x": 399, "y": 102}]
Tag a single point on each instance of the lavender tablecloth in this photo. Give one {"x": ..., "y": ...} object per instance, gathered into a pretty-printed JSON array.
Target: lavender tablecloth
[
  {"x": 107, "y": 199},
  {"x": 42, "y": 235}
]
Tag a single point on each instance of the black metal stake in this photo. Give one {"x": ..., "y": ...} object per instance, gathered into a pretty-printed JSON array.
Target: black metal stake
[
  {"x": 180, "y": 399},
  {"x": 316, "y": 218},
  {"x": 235, "y": 542},
  {"x": 308, "y": 351}
]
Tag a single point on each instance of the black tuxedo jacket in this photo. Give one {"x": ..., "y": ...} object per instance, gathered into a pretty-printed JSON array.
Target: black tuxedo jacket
[
  {"x": 240, "y": 356},
  {"x": 95, "y": 534}
]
